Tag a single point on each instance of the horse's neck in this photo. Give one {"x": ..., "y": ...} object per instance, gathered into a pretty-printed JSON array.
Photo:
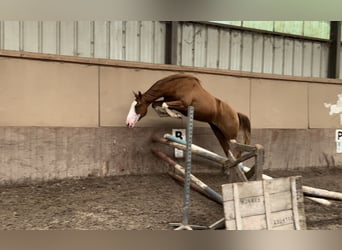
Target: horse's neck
[{"x": 154, "y": 93}]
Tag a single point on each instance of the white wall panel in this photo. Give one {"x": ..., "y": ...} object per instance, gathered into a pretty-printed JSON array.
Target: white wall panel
[
  {"x": 288, "y": 56},
  {"x": 200, "y": 49},
  {"x": 101, "y": 39},
  {"x": 235, "y": 52},
  {"x": 307, "y": 59},
  {"x": 278, "y": 55},
  {"x": 31, "y": 36},
  {"x": 316, "y": 59},
  {"x": 67, "y": 38},
  {"x": 11, "y": 35},
  {"x": 116, "y": 40},
  {"x": 49, "y": 37},
  {"x": 324, "y": 60},
  {"x": 257, "y": 56},
  {"x": 297, "y": 58},
  {"x": 247, "y": 51},
  {"x": 268, "y": 54},
  {"x": 213, "y": 48},
  {"x": 159, "y": 41},
  {"x": 147, "y": 41},
  {"x": 224, "y": 49},
  {"x": 187, "y": 44},
  {"x": 84, "y": 38}
]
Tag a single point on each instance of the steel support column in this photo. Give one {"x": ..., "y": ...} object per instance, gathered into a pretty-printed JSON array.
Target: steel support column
[{"x": 334, "y": 52}]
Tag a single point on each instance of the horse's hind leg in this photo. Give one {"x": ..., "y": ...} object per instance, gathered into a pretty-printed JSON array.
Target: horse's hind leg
[{"x": 221, "y": 138}]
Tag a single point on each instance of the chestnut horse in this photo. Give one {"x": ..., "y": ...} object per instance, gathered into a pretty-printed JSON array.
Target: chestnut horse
[{"x": 182, "y": 90}]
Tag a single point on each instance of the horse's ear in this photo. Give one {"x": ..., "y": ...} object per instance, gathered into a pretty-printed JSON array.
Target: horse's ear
[{"x": 140, "y": 95}]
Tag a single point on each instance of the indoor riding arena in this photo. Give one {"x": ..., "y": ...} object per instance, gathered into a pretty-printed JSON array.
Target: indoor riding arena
[{"x": 68, "y": 160}]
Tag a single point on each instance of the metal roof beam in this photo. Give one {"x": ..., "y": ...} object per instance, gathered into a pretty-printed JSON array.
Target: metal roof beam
[{"x": 335, "y": 48}]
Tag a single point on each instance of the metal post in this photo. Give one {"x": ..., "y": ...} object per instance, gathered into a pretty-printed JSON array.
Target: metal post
[
  {"x": 188, "y": 166},
  {"x": 187, "y": 177},
  {"x": 334, "y": 50}
]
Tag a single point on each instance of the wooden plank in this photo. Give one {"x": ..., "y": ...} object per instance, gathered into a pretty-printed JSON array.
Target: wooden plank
[
  {"x": 200, "y": 48},
  {"x": 247, "y": 51},
  {"x": 279, "y": 186},
  {"x": 307, "y": 58},
  {"x": 116, "y": 34},
  {"x": 30, "y": 36},
  {"x": 282, "y": 218},
  {"x": 258, "y": 46},
  {"x": 294, "y": 203},
  {"x": 212, "y": 47},
  {"x": 101, "y": 39},
  {"x": 67, "y": 38},
  {"x": 255, "y": 222},
  {"x": 49, "y": 37},
  {"x": 267, "y": 202},
  {"x": 288, "y": 56},
  {"x": 250, "y": 189},
  {"x": 278, "y": 59},
  {"x": 230, "y": 224},
  {"x": 237, "y": 207},
  {"x": 280, "y": 201},
  {"x": 235, "y": 51},
  {"x": 11, "y": 32},
  {"x": 224, "y": 49}
]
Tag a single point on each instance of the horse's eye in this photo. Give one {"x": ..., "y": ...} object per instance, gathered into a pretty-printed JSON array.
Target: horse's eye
[{"x": 137, "y": 108}]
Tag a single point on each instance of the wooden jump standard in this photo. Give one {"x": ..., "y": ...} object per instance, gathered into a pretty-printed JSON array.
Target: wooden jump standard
[{"x": 309, "y": 192}]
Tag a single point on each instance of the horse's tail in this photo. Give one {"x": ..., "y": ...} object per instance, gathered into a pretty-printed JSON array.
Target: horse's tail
[{"x": 245, "y": 126}]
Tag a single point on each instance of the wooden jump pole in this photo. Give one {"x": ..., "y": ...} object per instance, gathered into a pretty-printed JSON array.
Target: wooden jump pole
[{"x": 308, "y": 191}]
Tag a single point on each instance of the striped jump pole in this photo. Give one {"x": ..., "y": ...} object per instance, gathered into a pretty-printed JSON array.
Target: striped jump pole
[{"x": 209, "y": 191}]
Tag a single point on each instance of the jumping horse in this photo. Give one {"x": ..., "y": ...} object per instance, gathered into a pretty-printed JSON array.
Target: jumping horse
[{"x": 182, "y": 90}]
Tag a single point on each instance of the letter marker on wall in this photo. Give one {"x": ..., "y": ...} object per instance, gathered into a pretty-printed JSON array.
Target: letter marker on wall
[
  {"x": 338, "y": 139},
  {"x": 181, "y": 134}
]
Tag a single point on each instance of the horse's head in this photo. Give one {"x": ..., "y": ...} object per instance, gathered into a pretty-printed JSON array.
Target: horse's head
[{"x": 137, "y": 111}]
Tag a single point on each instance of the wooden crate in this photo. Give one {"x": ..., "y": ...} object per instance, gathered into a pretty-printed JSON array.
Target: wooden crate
[{"x": 264, "y": 205}]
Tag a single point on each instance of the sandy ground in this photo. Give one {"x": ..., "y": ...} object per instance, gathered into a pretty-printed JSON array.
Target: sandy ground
[{"x": 139, "y": 202}]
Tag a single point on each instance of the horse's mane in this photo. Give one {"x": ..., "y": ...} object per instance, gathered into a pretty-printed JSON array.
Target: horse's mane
[
  {"x": 176, "y": 77},
  {"x": 153, "y": 92}
]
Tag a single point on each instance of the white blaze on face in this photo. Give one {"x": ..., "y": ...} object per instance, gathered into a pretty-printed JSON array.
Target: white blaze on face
[{"x": 132, "y": 117}]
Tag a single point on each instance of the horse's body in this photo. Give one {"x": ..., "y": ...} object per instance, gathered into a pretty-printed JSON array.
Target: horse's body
[{"x": 180, "y": 91}]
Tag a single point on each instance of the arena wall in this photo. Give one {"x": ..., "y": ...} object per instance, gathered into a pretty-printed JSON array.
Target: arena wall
[{"x": 65, "y": 117}]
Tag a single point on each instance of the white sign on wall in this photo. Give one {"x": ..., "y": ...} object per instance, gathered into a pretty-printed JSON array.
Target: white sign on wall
[
  {"x": 338, "y": 139},
  {"x": 335, "y": 108},
  {"x": 181, "y": 134}
]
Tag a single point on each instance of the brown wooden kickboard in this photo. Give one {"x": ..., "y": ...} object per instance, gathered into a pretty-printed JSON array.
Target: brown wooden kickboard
[{"x": 264, "y": 205}]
